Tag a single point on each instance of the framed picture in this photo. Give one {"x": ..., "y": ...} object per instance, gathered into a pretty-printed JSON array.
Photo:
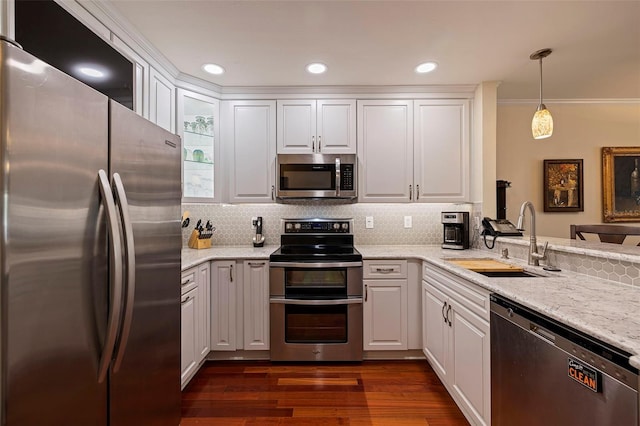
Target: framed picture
[
  {"x": 563, "y": 186},
  {"x": 621, "y": 184}
]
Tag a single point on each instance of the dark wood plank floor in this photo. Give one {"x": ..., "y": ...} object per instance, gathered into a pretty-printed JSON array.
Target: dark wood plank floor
[{"x": 373, "y": 393}]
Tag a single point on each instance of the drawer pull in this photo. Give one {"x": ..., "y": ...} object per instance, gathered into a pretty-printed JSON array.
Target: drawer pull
[
  {"x": 256, "y": 263},
  {"x": 186, "y": 281},
  {"x": 185, "y": 300},
  {"x": 385, "y": 270}
]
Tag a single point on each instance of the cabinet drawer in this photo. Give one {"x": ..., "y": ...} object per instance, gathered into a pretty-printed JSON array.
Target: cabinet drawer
[
  {"x": 384, "y": 269},
  {"x": 188, "y": 280},
  {"x": 472, "y": 296}
]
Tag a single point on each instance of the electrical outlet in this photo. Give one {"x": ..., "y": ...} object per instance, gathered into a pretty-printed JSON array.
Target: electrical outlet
[
  {"x": 368, "y": 222},
  {"x": 476, "y": 220},
  {"x": 407, "y": 222},
  {"x": 254, "y": 219}
]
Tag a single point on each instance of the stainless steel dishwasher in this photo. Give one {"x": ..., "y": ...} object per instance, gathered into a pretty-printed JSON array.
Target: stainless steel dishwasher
[{"x": 545, "y": 373}]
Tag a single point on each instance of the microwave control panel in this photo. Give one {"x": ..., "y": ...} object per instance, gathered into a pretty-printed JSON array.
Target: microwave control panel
[{"x": 346, "y": 177}]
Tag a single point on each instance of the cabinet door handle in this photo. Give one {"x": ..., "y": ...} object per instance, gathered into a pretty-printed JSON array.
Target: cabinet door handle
[
  {"x": 313, "y": 143},
  {"x": 417, "y": 192},
  {"x": 319, "y": 143},
  {"x": 231, "y": 273},
  {"x": 273, "y": 190},
  {"x": 449, "y": 319},
  {"x": 385, "y": 270},
  {"x": 256, "y": 263},
  {"x": 366, "y": 293},
  {"x": 410, "y": 192},
  {"x": 444, "y": 306},
  {"x": 185, "y": 300}
]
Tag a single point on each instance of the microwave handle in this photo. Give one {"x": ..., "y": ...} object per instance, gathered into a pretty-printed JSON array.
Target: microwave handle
[{"x": 337, "y": 177}]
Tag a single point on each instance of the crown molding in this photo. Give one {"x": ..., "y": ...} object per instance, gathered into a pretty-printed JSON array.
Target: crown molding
[
  {"x": 536, "y": 101},
  {"x": 189, "y": 82},
  {"x": 362, "y": 92}
]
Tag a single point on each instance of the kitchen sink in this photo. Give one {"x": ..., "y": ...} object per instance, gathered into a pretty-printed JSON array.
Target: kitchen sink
[{"x": 508, "y": 274}]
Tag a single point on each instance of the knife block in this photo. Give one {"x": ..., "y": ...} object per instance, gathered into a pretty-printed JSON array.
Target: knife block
[{"x": 195, "y": 242}]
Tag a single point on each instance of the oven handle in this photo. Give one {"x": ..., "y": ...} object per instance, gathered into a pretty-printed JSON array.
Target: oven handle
[
  {"x": 323, "y": 302},
  {"x": 315, "y": 265}
]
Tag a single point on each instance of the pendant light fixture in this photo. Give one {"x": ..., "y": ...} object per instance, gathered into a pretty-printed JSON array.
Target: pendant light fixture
[{"x": 542, "y": 123}]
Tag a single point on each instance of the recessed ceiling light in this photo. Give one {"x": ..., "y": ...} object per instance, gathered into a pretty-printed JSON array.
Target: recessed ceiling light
[
  {"x": 213, "y": 69},
  {"x": 426, "y": 67},
  {"x": 316, "y": 68}
]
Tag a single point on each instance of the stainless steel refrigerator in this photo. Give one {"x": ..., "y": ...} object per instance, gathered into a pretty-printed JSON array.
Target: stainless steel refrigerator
[{"x": 89, "y": 255}]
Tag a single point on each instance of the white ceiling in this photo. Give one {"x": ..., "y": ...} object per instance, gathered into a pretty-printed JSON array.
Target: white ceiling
[{"x": 268, "y": 43}]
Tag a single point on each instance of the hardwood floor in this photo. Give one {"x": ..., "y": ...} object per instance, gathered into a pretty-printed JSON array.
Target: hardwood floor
[{"x": 373, "y": 393}]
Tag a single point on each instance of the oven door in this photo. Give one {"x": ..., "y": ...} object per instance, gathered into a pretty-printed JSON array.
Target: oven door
[
  {"x": 316, "y": 330},
  {"x": 316, "y": 311}
]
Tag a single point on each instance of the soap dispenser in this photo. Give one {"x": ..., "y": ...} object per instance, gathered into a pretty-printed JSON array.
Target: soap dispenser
[{"x": 258, "y": 239}]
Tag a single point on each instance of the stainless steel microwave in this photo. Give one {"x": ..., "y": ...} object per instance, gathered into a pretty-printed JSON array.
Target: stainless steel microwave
[{"x": 316, "y": 176}]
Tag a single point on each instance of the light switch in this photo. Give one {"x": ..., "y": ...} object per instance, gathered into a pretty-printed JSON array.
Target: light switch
[
  {"x": 368, "y": 222},
  {"x": 407, "y": 222}
]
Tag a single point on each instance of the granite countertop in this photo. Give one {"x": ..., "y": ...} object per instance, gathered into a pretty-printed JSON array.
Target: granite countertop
[
  {"x": 622, "y": 252},
  {"x": 603, "y": 309},
  {"x": 192, "y": 257}
]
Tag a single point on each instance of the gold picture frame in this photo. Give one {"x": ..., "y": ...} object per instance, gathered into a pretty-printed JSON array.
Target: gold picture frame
[
  {"x": 621, "y": 184},
  {"x": 563, "y": 186}
]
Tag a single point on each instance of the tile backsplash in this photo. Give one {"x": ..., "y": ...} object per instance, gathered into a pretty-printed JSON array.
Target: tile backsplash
[{"x": 233, "y": 221}]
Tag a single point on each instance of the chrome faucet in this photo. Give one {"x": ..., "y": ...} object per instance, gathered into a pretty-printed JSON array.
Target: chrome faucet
[{"x": 534, "y": 256}]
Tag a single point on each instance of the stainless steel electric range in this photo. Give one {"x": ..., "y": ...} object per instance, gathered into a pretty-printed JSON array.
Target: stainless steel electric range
[{"x": 315, "y": 280}]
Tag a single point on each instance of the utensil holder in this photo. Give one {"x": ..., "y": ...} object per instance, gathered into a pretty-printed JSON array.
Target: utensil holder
[{"x": 196, "y": 242}]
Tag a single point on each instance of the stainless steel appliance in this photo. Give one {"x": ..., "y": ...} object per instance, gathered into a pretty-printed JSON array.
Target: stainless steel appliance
[
  {"x": 456, "y": 230},
  {"x": 90, "y": 246},
  {"x": 545, "y": 373},
  {"x": 316, "y": 176},
  {"x": 315, "y": 281}
]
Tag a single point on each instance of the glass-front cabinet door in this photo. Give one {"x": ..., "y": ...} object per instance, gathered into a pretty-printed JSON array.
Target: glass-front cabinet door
[{"x": 198, "y": 125}]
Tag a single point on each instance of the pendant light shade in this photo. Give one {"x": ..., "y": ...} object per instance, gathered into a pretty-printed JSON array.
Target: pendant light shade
[{"x": 542, "y": 123}]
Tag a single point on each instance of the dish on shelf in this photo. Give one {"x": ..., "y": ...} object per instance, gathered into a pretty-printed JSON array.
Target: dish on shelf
[{"x": 198, "y": 155}]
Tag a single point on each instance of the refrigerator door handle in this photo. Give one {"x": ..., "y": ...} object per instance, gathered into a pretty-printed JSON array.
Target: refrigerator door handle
[
  {"x": 130, "y": 256},
  {"x": 115, "y": 275}
]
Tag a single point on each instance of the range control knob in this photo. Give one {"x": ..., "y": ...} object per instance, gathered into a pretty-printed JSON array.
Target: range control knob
[
  {"x": 336, "y": 225},
  {"x": 345, "y": 225},
  {"x": 297, "y": 226},
  {"x": 287, "y": 226}
]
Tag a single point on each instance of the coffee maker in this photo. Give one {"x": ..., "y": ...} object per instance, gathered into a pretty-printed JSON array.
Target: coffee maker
[{"x": 456, "y": 230}]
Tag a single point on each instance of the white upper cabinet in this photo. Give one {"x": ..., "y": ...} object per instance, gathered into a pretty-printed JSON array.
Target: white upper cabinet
[
  {"x": 162, "y": 100},
  {"x": 441, "y": 150},
  {"x": 141, "y": 77},
  {"x": 249, "y": 137},
  {"x": 316, "y": 127},
  {"x": 385, "y": 150},
  {"x": 413, "y": 151},
  {"x": 198, "y": 116}
]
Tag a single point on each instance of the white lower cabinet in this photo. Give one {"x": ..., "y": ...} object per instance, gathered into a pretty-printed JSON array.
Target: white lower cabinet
[
  {"x": 223, "y": 305},
  {"x": 456, "y": 340},
  {"x": 240, "y": 305},
  {"x": 256, "y": 305},
  {"x": 195, "y": 319},
  {"x": 385, "y": 305},
  {"x": 204, "y": 311},
  {"x": 188, "y": 363}
]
